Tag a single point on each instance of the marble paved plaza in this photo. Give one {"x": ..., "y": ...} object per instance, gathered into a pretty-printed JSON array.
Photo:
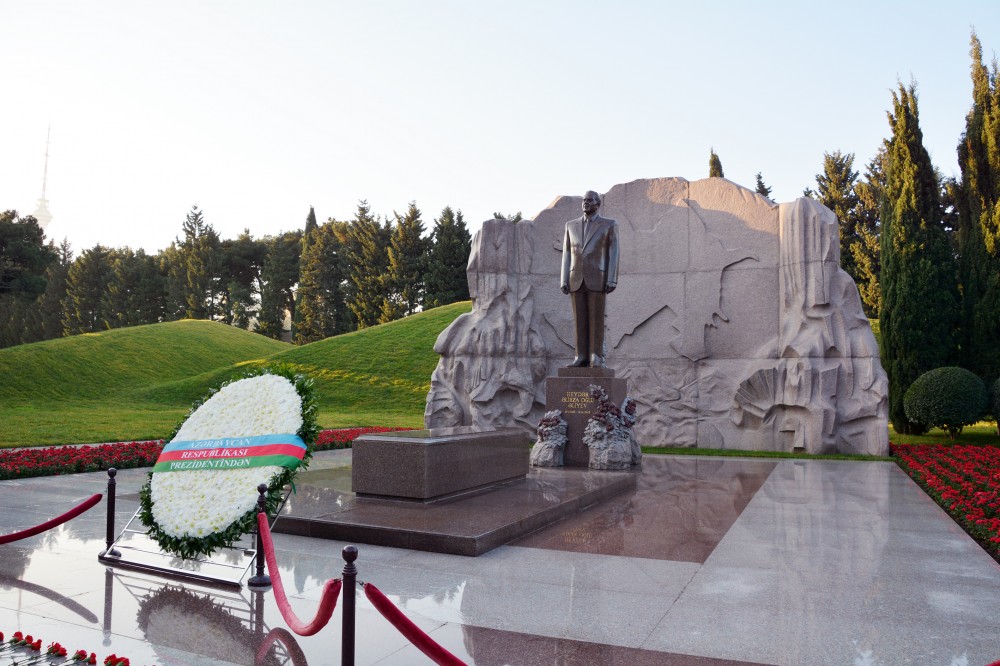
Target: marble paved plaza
[{"x": 710, "y": 561}]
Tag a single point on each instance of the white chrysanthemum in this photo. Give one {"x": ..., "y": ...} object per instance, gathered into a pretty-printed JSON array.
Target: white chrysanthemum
[{"x": 196, "y": 503}]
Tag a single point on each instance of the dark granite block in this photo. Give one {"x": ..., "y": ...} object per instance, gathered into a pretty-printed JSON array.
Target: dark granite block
[{"x": 425, "y": 465}]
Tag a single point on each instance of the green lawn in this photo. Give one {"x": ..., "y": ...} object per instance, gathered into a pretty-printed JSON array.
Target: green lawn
[
  {"x": 983, "y": 433},
  {"x": 138, "y": 383}
]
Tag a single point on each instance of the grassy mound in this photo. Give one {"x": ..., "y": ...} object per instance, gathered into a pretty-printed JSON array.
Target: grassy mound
[{"x": 137, "y": 383}]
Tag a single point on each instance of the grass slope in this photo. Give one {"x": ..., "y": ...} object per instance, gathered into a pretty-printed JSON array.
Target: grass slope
[{"x": 137, "y": 383}]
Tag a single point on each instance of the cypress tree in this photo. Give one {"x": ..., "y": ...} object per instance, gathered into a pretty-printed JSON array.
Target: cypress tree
[
  {"x": 714, "y": 165},
  {"x": 977, "y": 199},
  {"x": 446, "y": 279},
  {"x": 919, "y": 294},
  {"x": 835, "y": 189},
  {"x": 404, "y": 278}
]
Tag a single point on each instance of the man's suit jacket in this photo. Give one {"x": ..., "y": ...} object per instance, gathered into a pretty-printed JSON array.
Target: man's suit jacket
[{"x": 590, "y": 262}]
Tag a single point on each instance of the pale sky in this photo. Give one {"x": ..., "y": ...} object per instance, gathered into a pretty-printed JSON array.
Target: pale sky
[{"x": 256, "y": 110}]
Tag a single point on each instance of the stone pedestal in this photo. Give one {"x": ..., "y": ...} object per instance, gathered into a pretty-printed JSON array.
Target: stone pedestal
[{"x": 569, "y": 393}]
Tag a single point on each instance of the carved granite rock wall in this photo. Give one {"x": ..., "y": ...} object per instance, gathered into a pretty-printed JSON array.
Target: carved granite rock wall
[{"x": 732, "y": 321}]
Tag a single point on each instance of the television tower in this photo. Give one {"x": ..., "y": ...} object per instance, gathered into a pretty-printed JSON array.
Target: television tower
[{"x": 42, "y": 213}]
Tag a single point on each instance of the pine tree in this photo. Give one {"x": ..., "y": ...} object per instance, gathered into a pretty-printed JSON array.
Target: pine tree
[
  {"x": 866, "y": 249},
  {"x": 50, "y": 303},
  {"x": 85, "y": 286},
  {"x": 242, "y": 261},
  {"x": 919, "y": 294},
  {"x": 322, "y": 306},
  {"x": 977, "y": 199},
  {"x": 404, "y": 283},
  {"x": 136, "y": 290},
  {"x": 511, "y": 217},
  {"x": 446, "y": 280},
  {"x": 836, "y": 191},
  {"x": 199, "y": 262},
  {"x": 366, "y": 240},
  {"x": 24, "y": 256},
  {"x": 762, "y": 189},
  {"x": 279, "y": 276},
  {"x": 715, "y": 166},
  {"x": 172, "y": 267}
]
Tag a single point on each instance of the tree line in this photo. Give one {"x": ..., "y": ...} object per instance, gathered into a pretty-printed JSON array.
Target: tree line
[{"x": 311, "y": 283}]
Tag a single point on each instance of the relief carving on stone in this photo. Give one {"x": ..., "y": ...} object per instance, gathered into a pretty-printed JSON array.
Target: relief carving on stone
[{"x": 732, "y": 321}]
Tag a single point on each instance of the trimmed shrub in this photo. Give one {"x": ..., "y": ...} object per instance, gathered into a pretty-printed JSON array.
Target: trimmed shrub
[{"x": 949, "y": 398}]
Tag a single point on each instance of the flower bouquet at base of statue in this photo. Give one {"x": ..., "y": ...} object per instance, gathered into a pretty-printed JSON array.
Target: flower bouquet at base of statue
[{"x": 202, "y": 493}]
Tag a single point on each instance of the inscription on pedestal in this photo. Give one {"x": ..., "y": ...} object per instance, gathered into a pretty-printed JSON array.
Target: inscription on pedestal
[{"x": 571, "y": 395}]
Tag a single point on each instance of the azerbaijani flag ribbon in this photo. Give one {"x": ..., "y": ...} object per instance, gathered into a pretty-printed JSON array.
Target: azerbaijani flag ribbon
[{"x": 285, "y": 450}]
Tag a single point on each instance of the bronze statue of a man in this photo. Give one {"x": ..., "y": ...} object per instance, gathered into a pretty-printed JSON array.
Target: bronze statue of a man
[{"x": 589, "y": 271}]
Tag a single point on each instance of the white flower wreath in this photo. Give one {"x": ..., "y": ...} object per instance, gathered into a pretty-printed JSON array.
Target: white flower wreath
[{"x": 202, "y": 493}]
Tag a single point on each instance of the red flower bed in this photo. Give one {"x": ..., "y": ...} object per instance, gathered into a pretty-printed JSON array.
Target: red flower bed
[
  {"x": 963, "y": 479},
  {"x": 342, "y": 438},
  {"x": 48, "y": 461},
  {"x": 22, "y": 463}
]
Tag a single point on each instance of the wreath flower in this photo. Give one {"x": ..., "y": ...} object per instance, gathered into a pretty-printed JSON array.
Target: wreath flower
[{"x": 201, "y": 494}]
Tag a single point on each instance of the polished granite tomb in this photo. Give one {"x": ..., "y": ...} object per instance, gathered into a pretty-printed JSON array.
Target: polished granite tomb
[{"x": 430, "y": 465}]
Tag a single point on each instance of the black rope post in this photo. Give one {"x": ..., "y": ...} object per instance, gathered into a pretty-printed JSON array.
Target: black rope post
[
  {"x": 260, "y": 579},
  {"x": 349, "y": 578},
  {"x": 110, "y": 539}
]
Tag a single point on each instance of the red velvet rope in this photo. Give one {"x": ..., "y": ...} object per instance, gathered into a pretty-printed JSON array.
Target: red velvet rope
[
  {"x": 279, "y": 635},
  {"x": 420, "y": 640},
  {"x": 328, "y": 599},
  {"x": 55, "y": 522}
]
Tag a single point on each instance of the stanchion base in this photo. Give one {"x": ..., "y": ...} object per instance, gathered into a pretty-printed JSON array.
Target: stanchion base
[{"x": 259, "y": 581}]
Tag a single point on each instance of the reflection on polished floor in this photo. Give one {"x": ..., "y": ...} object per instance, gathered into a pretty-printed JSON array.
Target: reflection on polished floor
[{"x": 710, "y": 561}]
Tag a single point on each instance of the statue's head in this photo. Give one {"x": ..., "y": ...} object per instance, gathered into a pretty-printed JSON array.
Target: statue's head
[{"x": 591, "y": 202}]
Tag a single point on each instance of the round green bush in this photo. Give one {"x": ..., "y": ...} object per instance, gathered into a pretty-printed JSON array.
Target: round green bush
[{"x": 948, "y": 398}]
